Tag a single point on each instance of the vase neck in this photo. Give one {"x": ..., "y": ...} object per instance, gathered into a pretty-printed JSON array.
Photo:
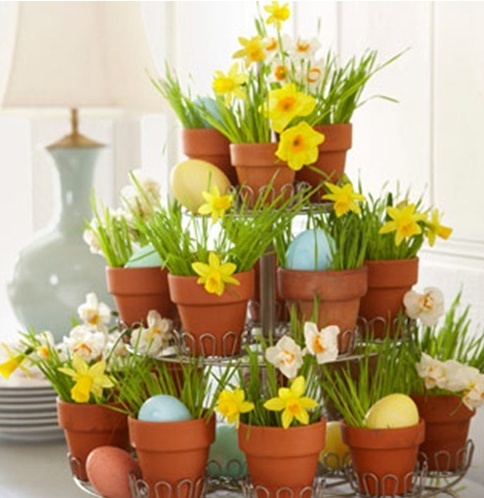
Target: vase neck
[{"x": 75, "y": 167}]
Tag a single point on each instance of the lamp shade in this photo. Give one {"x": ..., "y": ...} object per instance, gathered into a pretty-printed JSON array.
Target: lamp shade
[{"x": 81, "y": 54}]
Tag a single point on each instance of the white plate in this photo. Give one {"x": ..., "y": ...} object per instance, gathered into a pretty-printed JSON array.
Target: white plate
[
  {"x": 14, "y": 392},
  {"x": 23, "y": 422},
  {"x": 22, "y": 400},
  {"x": 46, "y": 434},
  {"x": 23, "y": 383},
  {"x": 35, "y": 415},
  {"x": 21, "y": 408}
]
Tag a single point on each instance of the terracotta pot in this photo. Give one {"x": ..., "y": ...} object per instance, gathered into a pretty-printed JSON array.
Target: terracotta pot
[
  {"x": 388, "y": 282},
  {"x": 173, "y": 455},
  {"x": 256, "y": 165},
  {"x": 212, "y": 325},
  {"x": 280, "y": 458},
  {"x": 338, "y": 294},
  {"x": 136, "y": 291},
  {"x": 331, "y": 162},
  {"x": 384, "y": 459},
  {"x": 447, "y": 422},
  {"x": 209, "y": 145},
  {"x": 88, "y": 426}
]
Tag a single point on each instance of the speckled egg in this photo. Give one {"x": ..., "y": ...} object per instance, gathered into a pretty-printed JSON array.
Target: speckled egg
[
  {"x": 190, "y": 178},
  {"x": 108, "y": 469},
  {"x": 144, "y": 257},
  {"x": 310, "y": 250},
  {"x": 163, "y": 408},
  {"x": 226, "y": 459}
]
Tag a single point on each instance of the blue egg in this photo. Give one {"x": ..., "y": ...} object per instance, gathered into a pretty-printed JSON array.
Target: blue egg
[
  {"x": 144, "y": 257},
  {"x": 163, "y": 408},
  {"x": 226, "y": 459},
  {"x": 310, "y": 250},
  {"x": 211, "y": 105}
]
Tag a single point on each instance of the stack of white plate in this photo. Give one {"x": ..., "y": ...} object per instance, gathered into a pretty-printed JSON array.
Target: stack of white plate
[{"x": 28, "y": 410}]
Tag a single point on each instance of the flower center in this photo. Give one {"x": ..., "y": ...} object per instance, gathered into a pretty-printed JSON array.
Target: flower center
[
  {"x": 318, "y": 346},
  {"x": 287, "y": 104}
]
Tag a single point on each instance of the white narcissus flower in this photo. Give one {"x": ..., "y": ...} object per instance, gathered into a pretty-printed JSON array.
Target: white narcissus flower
[
  {"x": 115, "y": 346},
  {"x": 459, "y": 377},
  {"x": 474, "y": 397},
  {"x": 47, "y": 344},
  {"x": 94, "y": 313},
  {"x": 286, "y": 355},
  {"x": 322, "y": 343},
  {"x": 303, "y": 49},
  {"x": 427, "y": 307},
  {"x": 91, "y": 240},
  {"x": 432, "y": 371},
  {"x": 85, "y": 342},
  {"x": 140, "y": 202},
  {"x": 155, "y": 337}
]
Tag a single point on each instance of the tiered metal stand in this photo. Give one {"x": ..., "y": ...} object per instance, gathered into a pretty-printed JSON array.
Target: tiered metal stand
[{"x": 342, "y": 482}]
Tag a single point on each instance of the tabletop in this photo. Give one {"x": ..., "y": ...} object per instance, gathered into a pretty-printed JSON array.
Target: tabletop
[{"x": 41, "y": 470}]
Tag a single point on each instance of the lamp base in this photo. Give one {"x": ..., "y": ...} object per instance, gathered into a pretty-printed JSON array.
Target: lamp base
[{"x": 56, "y": 270}]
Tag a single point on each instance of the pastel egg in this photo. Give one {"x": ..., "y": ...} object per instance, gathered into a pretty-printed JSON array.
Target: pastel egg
[
  {"x": 211, "y": 105},
  {"x": 226, "y": 459},
  {"x": 144, "y": 257},
  {"x": 108, "y": 469},
  {"x": 190, "y": 178},
  {"x": 310, "y": 250},
  {"x": 163, "y": 408},
  {"x": 335, "y": 452},
  {"x": 392, "y": 411}
]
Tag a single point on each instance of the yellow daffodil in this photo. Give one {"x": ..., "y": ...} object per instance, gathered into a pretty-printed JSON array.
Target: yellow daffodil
[
  {"x": 215, "y": 275},
  {"x": 435, "y": 229},
  {"x": 292, "y": 403},
  {"x": 278, "y": 13},
  {"x": 230, "y": 85},
  {"x": 216, "y": 204},
  {"x": 286, "y": 103},
  {"x": 252, "y": 50},
  {"x": 88, "y": 379},
  {"x": 231, "y": 404},
  {"x": 298, "y": 146},
  {"x": 345, "y": 198},
  {"x": 404, "y": 222},
  {"x": 8, "y": 367},
  {"x": 15, "y": 360}
]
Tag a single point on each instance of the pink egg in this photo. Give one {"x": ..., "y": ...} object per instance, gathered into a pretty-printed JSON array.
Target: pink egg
[{"x": 108, "y": 468}]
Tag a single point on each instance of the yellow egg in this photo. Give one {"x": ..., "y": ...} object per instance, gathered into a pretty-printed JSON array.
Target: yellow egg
[
  {"x": 335, "y": 451},
  {"x": 391, "y": 412},
  {"x": 190, "y": 178}
]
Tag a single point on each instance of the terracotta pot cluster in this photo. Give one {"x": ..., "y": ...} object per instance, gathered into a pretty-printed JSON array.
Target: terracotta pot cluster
[{"x": 254, "y": 165}]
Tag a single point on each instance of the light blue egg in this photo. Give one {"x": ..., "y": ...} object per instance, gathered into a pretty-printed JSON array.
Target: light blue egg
[
  {"x": 211, "y": 105},
  {"x": 310, "y": 250},
  {"x": 163, "y": 408},
  {"x": 144, "y": 257},
  {"x": 226, "y": 459}
]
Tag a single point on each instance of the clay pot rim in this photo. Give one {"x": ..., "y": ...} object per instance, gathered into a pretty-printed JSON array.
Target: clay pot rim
[
  {"x": 462, "y": 412},
  {"x": 363, "y": 437},
  {"x": 335, "y": 273},
  {"x": 300, "y": 428},
  {"x": 183, "y": 435},
  {"x": 188, "y": 291}
]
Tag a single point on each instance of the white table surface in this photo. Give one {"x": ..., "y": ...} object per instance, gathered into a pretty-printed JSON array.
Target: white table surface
[{"x": 41, "y": 470}]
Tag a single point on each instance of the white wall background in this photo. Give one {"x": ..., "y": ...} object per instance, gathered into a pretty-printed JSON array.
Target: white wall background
[{"x": 431, "y": 140}]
